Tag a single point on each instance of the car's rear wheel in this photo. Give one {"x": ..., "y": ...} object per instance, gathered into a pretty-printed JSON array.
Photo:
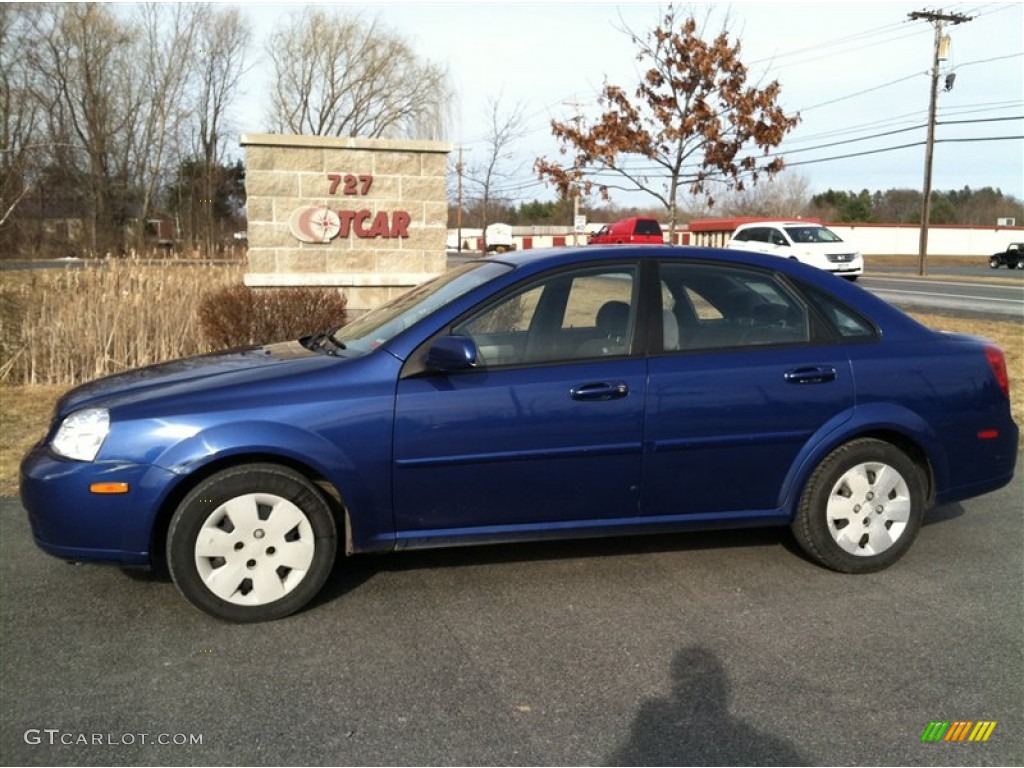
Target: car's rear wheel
[
  {"x": 862, "y": 507},
  {"x": 252, "y": 543}
]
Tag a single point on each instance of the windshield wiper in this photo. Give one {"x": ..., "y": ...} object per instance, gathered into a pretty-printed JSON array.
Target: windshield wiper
[{"x": 326, "y": 340}]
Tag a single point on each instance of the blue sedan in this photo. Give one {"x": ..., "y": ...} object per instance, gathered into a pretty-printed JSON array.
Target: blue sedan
[{"x": 559, "y": 393}]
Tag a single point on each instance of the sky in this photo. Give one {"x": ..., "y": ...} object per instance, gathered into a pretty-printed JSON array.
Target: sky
[{"x": 853, "y": 70}]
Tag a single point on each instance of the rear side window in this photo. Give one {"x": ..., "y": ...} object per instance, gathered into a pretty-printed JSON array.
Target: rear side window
[{"x": 848, "y": 323}]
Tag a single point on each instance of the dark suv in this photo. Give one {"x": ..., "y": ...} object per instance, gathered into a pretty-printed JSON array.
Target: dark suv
[{"x": 1012, "y": 257}]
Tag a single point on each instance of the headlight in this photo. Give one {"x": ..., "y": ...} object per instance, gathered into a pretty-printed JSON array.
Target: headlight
[{"x": 82, "y": 433}]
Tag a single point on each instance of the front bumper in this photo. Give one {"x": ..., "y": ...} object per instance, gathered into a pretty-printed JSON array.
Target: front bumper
[
  {"x": 855, "y": 267},
  {"x": 71, "y": 522}
]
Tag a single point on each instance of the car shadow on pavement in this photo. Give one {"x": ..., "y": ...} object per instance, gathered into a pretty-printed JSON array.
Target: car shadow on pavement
[
  {"x": 597, "y": 547},
  {"x": 350, "y": 573},
  {"x": 693, "y": 725}
]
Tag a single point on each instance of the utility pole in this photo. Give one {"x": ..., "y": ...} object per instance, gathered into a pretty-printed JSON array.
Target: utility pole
[
  {"x": 458, "y": 210},
  {"x": 576, "y": 105},
  {"x": 937, "y": 18}
]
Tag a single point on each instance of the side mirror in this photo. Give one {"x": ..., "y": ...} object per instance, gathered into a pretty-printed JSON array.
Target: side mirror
[{"x": 453, "y": 353}]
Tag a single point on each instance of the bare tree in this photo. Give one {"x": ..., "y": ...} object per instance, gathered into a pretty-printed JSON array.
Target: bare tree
[
  {"x": 224, "y": 40},
  {"x": 337, "y": 75},
  {"x": 691, "y": 120},
  {"x": 20, "y": 113},
  {"x": 168, "y": 60},
  {"x": 503, "y": 129},
  {"x": 87, "y": 60},
  {"x": 787, "y": 195}
]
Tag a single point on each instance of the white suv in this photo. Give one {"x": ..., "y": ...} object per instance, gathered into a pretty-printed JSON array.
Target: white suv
[{"x": 801, "y": 240}]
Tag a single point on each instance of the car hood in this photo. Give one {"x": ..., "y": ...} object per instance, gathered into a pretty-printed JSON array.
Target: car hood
[{"x": 179, "y": 371}]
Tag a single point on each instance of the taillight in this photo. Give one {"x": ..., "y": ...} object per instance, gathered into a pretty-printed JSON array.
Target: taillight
[{"x": 997, "y": 361}]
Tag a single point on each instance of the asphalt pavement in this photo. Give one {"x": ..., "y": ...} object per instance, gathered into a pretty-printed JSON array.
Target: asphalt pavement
[{"x": 717, "y": 648}]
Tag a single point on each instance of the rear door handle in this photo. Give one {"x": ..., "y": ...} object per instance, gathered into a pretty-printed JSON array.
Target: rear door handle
[
  {"x": 604, "y": 390},
  {"x": 815, "y": 374}
]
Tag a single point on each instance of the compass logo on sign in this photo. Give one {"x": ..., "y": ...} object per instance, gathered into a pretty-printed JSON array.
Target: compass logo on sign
[{"x": 314, "y": 224}]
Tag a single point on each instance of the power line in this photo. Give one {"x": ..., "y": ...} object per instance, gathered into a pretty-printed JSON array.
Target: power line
[
  {"x": 860, "y": 93},
  {"x": 655, "y": 168},
  {"x": 982, "y": 120},
  {"x": 901, "y": 146}
]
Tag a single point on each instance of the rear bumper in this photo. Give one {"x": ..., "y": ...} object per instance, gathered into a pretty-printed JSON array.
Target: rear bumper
[{"x": 991, "y": 466}]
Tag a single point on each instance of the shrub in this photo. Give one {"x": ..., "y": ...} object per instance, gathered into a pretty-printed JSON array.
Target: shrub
[{"x": 237, "y": 316}]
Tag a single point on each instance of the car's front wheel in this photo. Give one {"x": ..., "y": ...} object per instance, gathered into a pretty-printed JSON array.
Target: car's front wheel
[
  {"x": 252, "y": 543},
  {"x": 994, "y": 263},
  {"x": 862, "y": 507}
]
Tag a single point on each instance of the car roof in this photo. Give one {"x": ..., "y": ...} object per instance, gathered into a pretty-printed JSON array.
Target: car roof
[
  {"x": 780, "y": 223},
  {"x": 537, "y": 259}
]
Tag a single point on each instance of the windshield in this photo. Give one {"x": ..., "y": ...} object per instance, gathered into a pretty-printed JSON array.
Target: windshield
[
  {"x": 812, "y": 235},
  {"x": 380, "y": 325}
]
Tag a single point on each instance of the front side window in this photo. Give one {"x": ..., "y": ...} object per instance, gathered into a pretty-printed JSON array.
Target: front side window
[
  {"x": 568, "y": 316},
  {"x": 723, "y": 307}
]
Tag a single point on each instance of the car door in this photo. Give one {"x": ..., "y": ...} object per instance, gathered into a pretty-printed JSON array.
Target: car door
[
  {"x": 545, "y": 433},
  {"x": 746, "y": 385}
]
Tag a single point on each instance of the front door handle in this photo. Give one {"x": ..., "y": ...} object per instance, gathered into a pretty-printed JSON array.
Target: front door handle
[
  {"x": 814, "y": 374},
  {"x": 604, "y": 390}
]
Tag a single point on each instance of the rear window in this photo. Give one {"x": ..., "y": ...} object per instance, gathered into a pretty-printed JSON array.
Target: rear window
[{"x": 647, "y": 227}]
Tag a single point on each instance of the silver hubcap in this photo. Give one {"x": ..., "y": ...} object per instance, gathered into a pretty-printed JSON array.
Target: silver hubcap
[
  {"x": 868, "y": 509},
  {"x": 254, "y": 549}
]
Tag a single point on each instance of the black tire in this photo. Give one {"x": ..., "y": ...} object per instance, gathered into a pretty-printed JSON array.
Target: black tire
[
  {"x": 851, "y": 278},
  {"x": 847, "y": 489},
  {"x": 993, "y": 263},
  {"x": 269, "y": 527}
]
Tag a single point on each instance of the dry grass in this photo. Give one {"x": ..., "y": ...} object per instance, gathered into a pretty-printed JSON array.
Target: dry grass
[
  {"x": 75, "y": 324},
  {"x": 910, "y": 261},
  {"x": 24, "y": 418}
]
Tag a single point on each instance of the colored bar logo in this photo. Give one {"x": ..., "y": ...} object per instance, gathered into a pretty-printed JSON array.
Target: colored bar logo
[{"x": 958, "y": 730}]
